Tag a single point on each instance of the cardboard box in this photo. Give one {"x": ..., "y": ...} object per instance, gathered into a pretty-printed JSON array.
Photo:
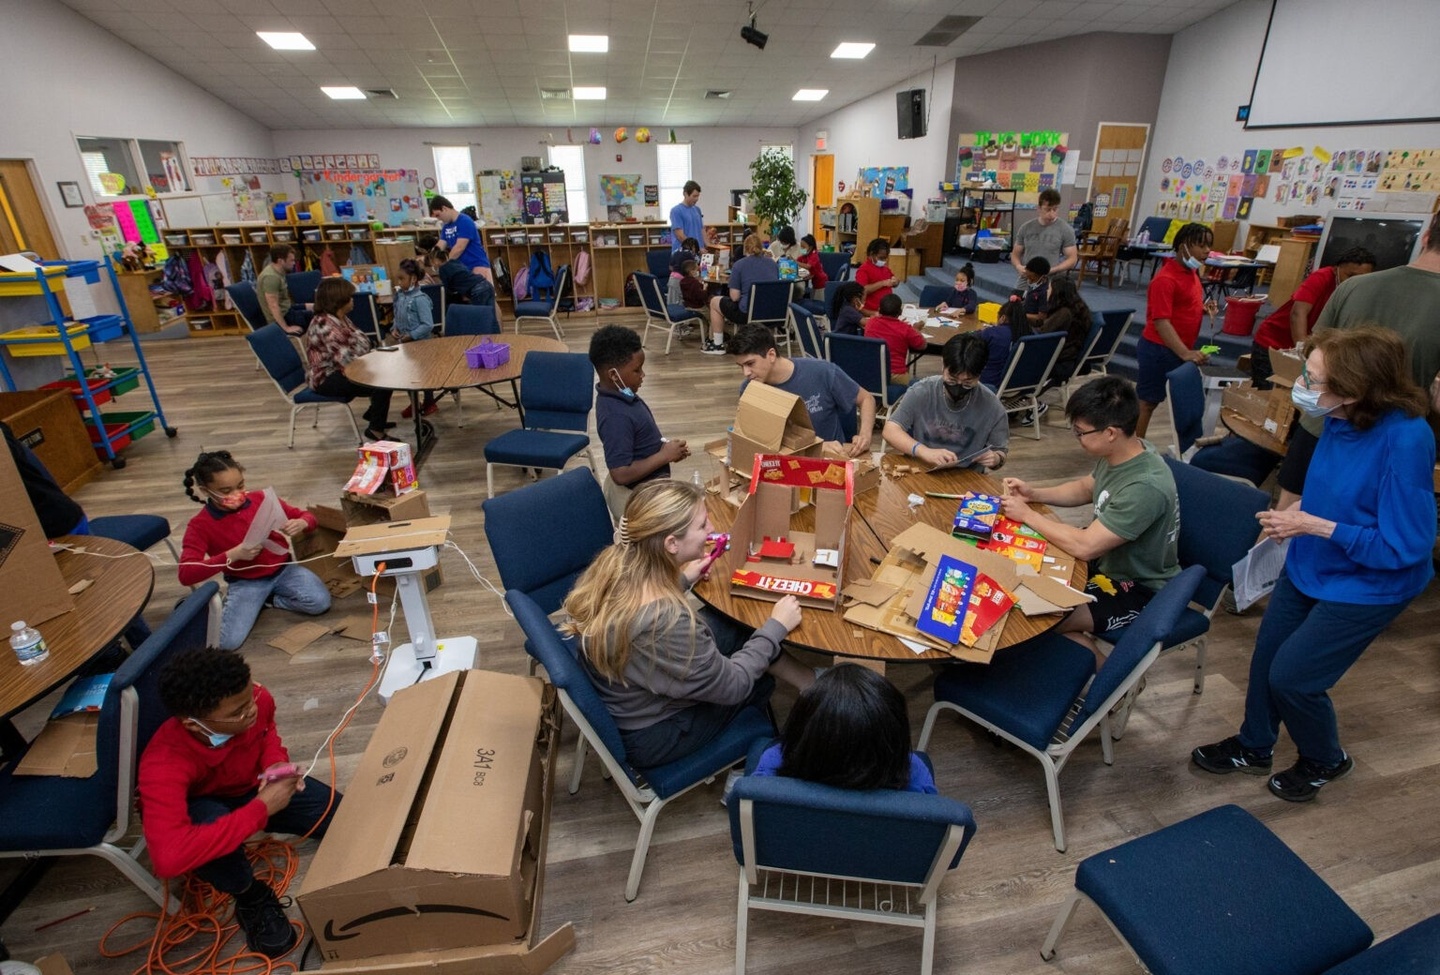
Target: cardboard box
[
  {"x": 439, "y": 845},
  {"x": 338, "y": 574},
  {"x": 1287, "y": 364},
  {"x": 769, "y": 421},
  {"x": 384, "y": 465},
  {"x": 1280, "y": 416},
  {"x": 47, "y": 422},
  {"x": 807, "y": 565},
  {"x": 1251, "y": 403},
  {"x": 30, "y": 578},
  {"x": 64, "y": 747},
  {"x": 391, "y": 253},
  {"x": 370, "y": 509}
]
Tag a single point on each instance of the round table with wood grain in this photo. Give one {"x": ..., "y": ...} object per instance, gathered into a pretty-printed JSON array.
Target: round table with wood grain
[
  {"x": 879, "y": 515},
  {"x": 414, "y": 367}
]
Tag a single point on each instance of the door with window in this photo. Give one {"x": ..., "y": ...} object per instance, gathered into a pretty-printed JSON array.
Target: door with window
[{"x": 1115, "y": 179}]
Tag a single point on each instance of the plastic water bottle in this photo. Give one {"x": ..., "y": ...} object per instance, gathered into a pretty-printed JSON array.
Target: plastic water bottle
[
  {"x": 28, "y": 644},
  {"x": 695, "y": 479},
  {"x": 1144, "y": 238}
]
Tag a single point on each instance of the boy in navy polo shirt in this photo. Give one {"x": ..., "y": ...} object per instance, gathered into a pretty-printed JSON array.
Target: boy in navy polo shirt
[{"x": 635, "y": 452}]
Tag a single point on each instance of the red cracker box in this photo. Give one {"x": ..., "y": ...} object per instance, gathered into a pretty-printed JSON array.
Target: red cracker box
[{"x": 384, "y": 463}]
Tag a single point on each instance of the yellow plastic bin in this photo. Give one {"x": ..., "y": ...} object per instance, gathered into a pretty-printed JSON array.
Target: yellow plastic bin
[
  {"x": 19, "y": 285},
  {"x": 15, "y": 342},
  {"x": 988, "y": 312}
]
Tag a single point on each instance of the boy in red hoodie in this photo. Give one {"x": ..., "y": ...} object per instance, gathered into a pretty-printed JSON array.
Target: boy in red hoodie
[
  {"x": 899, "y": 336},
  {"x": 214, "y": 774}
]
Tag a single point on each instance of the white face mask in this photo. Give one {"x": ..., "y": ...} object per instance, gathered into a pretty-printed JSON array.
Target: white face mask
[
  {"x": 879, "y": 263},
  {"x": 1307, "y": 401}
]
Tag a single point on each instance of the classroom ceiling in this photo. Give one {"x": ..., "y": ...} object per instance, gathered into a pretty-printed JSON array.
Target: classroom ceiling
[{"x": 484, "y": 62}]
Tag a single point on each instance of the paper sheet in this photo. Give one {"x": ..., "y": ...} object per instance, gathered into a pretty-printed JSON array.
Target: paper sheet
[
  {"x": 1256, "y": 574},
  {"x": 270, "y": 518},
  {"x": 18, "y": 263}
]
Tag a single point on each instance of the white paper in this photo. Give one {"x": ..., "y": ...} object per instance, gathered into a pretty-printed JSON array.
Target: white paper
[
  {"x": 269, "y": 518},
  {"x": 82, "y": 304},
  {"x": 917, "y": 647},
  {"x": 1256, "y": 574},
  {"x": 18, "y": 263}
]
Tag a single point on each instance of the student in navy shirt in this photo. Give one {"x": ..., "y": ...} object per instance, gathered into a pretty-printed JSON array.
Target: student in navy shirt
[
  {"x": 461, "y": 238},
  {"x": 1000, "y": 338},
  {"x": 734, "y": 306},
  {"x": 963, "y": 300}
]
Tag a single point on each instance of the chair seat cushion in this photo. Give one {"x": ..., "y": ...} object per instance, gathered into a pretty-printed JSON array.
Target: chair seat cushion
[
  {"x": 1026, "y": 689},
  {"x": 679, "y": 313},
  {"x": 50, "y": 812},
  {"x": 1414, "y": 951},
  {"x": 307, "y": 395},
  {"x": 535, "y": 448},
  {"x": 724, "y": 749},
  {"x": 137, "y": 531},
  {"x": 532, "y": 309},
  {"x": 1221, "y": 893}
]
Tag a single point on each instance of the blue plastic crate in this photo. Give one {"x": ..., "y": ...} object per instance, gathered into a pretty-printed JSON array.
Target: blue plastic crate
[{"x": 103, "y": 328}]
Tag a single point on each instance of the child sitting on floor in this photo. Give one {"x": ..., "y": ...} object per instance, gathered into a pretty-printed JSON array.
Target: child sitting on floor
[
  {"x": 901, "y": 337},
  {"x": 214, "y": 774},
  {"x": 850, "y": 729}
]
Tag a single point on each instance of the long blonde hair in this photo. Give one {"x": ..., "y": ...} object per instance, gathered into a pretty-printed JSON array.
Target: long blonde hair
[{"x": 625, "y": 578}]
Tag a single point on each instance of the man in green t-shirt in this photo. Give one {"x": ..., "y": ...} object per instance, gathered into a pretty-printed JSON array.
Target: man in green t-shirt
[
  {"x": 1132, "y": 543},
  {"x": 273, "y": 291}
]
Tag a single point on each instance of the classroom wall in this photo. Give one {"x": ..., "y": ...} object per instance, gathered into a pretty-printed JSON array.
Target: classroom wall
[
  {"x": 112, "y": 90},
  {"x": 719, "y": 156},
  {"x": 1212, "y": 66}
]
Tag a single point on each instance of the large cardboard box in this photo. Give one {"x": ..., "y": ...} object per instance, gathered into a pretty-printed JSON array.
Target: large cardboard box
[
  {"x": 770, "y": 421},
  {"x": 47, "y": 422},
  {"x": 439, "y": 845},
  {"x": 356, "y": 510},
  {"x": 34, "y": 589}
]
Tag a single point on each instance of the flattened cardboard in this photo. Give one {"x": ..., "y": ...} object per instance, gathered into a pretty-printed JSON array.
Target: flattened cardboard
[
  {"x": 338, "y": 574},
  {"x": 439, "y": 845},
  {"x": 34, "y": 589},
  {"x": 64, "y": 747},
  {"x": 392, "y": 536},
  {"x": 299, "y": 636},
  {"x": 1251, "y": 403},
  {"x": 53, "y": 965},
  {"x": 1287, "y": 365},
  {"x": 355, "y": 628},
  {"x": 507, "y": 959}
]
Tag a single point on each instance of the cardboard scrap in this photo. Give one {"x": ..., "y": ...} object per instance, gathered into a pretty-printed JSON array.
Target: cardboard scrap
[
  {"x": 300, "y": 636},
  {"x": 355, "y": 628},
  {"x": 64, "y": 747}
]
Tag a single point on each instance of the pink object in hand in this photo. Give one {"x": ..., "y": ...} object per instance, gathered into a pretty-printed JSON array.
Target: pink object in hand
[{"x": 287, "y": 771}]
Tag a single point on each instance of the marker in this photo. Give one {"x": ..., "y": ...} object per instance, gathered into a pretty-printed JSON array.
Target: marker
[{"x": 67, "y": 917}]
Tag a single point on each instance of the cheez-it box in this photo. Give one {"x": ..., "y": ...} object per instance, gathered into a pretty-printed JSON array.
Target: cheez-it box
[{"x": 384, "y": 464}]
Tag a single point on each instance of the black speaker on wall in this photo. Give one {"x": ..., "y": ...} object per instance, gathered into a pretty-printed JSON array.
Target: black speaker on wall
[{"x": 910, "y": 113}]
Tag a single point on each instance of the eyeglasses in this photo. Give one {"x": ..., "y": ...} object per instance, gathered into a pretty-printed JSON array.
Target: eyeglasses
[
  {"x": 1082, "y": 434},
  {"x": 1310, "y": 383},
  {"x": 966, "y": 384}
]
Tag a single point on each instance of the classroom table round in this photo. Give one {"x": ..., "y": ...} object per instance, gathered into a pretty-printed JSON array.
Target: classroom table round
[
  {"x": 880, "y": 514},
  {"x": 941, "y": 328},
  {"x": 121, "y": 580}
]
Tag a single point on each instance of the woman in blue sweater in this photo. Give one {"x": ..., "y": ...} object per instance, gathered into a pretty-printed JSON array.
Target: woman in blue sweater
[{"x": 1361, "y": 540}]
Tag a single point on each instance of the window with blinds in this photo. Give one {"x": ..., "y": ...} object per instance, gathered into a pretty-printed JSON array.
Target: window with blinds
[
  {"x": 674, "y": 165},
  {"x": 571, "y": 160},
  {"x": 455, "y": 175}
]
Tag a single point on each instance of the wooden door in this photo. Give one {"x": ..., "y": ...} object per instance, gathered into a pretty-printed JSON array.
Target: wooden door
[
  {"x": 822, "y": 190},
  {"x": 23, "y": 224},
  {"x": 1115, "y": 176}
]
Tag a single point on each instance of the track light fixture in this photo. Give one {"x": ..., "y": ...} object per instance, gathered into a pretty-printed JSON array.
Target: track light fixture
[{"x": 750, "y": 34}]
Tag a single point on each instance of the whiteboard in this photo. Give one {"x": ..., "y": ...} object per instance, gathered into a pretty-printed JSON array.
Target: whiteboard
[
  {"x": 198, "y": 211},
  {"x": 1336, "y": 62}
]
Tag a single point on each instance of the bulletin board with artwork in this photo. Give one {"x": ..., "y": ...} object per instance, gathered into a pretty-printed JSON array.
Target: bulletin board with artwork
[
  {"x": 881, "y": 181},
  {"x": 389, "y": 196},
  {"x": 1027, "y": 162},
  {"x": 498, "y": 198},
  {"x": 544, "y": 197},
  {"x": 621, "y": 194}
]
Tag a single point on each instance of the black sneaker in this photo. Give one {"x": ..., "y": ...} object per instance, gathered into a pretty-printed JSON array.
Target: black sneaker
[
  {"x": 1301, "y": 782},
  {"x": 267, "y": 929},
  {"x": 713, "y": 348},
  {"x": 1228, "y": 756}
]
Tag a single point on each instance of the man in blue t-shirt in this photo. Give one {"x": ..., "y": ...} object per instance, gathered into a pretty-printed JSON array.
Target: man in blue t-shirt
[
  {"x": 828, "y": 394},
  {"x": 686, "y": 220},
  {"x": 461, "y": 238}
]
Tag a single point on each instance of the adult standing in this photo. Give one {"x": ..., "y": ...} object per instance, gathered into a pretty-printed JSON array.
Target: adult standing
[
  {"x": 1045, "y": 236},
  {"x": 1405, "y": 300},
  {"x": 1360, "y": 545},
  {"x": 273, "y": 290},
  {"x": 461, "y": 238},
  {"x": 1174, "y": 306},
  {"x": 1288, "y": 326},
  {"x": 686, "y": 220}
]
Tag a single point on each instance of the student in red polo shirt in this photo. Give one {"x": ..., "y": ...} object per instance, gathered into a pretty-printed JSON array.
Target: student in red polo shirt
[
  {"x": 900, "y": 337},
  {"x": 877, "y": 279},
  {"x": 1173, "y": 309},
  {"x": 1290, "y": 325}
]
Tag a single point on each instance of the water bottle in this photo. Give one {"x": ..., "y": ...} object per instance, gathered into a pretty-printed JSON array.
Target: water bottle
[
  {"x": 28, "y": 644},
  {"x": 1144, "y": 238},
  {"x": 695, "y": 480}
]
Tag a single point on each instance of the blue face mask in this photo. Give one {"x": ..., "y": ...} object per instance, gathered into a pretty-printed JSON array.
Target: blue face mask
[
  {"x": 1307, "y": 401},
  {"x": 214, "y": 737},
  {"x": 1191, "y": 262},
  {"x": 620, "y": 386}
]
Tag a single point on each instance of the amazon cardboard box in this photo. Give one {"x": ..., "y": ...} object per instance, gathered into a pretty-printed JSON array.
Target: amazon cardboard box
[
  {"x": 439, "y": 847},
  {"x": 30, "y": 578}
]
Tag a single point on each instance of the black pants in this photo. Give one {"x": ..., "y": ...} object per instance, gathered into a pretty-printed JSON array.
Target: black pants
[{"x": 339, "y": 386}]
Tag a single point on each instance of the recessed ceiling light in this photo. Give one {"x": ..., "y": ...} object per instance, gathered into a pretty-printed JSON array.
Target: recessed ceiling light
[
  {"x": 809, "y": 94},
  {"x": 581, "y": 94},
  {"x": 342, "y": 92},
  {"x": 590, "y": 43},
  {"x": 285, "y": 40},
  {"x": 852, "y": 49}
]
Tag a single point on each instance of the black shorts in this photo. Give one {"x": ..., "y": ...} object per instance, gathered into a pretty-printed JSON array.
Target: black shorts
[
  {"x": 731, "y": 310},
  {"x": 1297, "y": 460},
  {"x": 1113, "y": 612}
]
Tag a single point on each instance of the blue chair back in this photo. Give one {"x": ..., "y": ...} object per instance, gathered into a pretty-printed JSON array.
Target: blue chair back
[
  {"x": 932, "y": 294},
  {"x": 538, "y": 553},
  {"x": 1186, "y": 393},
  {"x": 362, "y": 314},
  {"x": 1112, "y": 329},
  {"x": 471, "y": 320},
  {"x": 1217, "y": 524},
  {"x": 302, "y": 286},
  {"x": 809, "y": 331},
  {"x": 830, "y": 288},
  {"x": 1157, "y": 227},
  {"x": 247, "y": 302},
  {"x": 657, "y": 262},
  {"x": 865, "y": 360},
  {"x": 556, "y": 389},
  {"x": 281, "y": 361},
  {"x": 650, "y": 295},
  {"x": 1155, "y": 621},
  {"x": 436, "y": 294},
  {"x": 770, "y": 302},
  {"x": 836, "y": 265},
  {"x": 1031, "y": 360}
]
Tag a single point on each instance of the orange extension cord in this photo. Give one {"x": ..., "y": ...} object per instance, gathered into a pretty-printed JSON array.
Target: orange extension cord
[{"x": 191, "y": 942}]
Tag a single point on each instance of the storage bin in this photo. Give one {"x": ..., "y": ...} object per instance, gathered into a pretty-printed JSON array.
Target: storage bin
[
  {"x": 334, "y": 235},
  {"x": 103, "y": 328},
  {"x": 358, "y": 234},
  {"x": 310, "y": 235},
  {"x": 487, "y": 355},
  {"x": 176, "y": 240},
  {"x": 132, "y": 426},
  {"x": 259, "y": 237},
  {"x": 16, "y": 285},
  {"x": 76, "y": 331},
  {"x": 205, "y": 240},
  {"x": 71, "y": 385},
  {"x": 284, "y": 236},
  {"x": 230, "y": 238}
]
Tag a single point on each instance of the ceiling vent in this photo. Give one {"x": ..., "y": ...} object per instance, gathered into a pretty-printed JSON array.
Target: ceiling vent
[
  {"x": 946, "y": 31},
  {"x": 718, "y": 93},
  {"x": 554, "y": 94},
  {"x": 381, "y": 92}
]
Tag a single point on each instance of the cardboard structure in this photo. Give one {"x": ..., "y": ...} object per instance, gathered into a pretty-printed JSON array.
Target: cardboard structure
[
  {"x": 385, "y": 465},
  {"x": 767, "y": 560},
  {"x": 435, "y": 861},
  {"x": 34, "y": 589},
  {"x": 355, "y": 510},
  {"x": 769, "y": 421}
]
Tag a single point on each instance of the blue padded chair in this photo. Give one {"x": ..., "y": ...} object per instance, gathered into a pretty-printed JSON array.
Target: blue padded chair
[
  {"x": 363, "y": 315},
  {"x": 556, "y": 394},
  {"x": 436, "y": 294},
  {"x": 888, "y": 849},
  {"x": 1185, "y": 405},
  {"x": 1238, "y": 459},
  {"x": 1101, "y": 350},
  {"x": 302, "y": 286},
  {"x": 247, "y": 303},
  {"x": 547, "y": 310},
  {"x": 1032, "y": 359},
  {"x": 51, "y": 815},
  {"x": 1219, "y": 892},
  {"x": 830, "y": 288},
  {"x": 770, "y": 306},
  {"x": 867, "y": 361},
  {"x": 471, "y": 320},
  {"x": 932, "y": 294},
  {"x": 837, "y": 266},
  {"x": 671, "y": 319},
  {"x": 646, "y": 791},
  {"x": 809, "y": 329},
  {"x": 138, "y": 531},
  {"x": 1045, "y": 695},
  {"x": 657, "y": 262},
  {"x": 280, "y": 360}
]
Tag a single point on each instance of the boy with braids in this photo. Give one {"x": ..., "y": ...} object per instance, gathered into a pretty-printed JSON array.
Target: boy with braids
[
  {"x": 1173, "y": 308},
  {"x": 214, "y": 774}
]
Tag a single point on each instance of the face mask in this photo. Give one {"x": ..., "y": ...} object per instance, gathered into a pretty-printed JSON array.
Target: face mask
[
  {"x": 230, "y": 502},
  {"x": 879, "y": 263},
  {"x": 957, "y": 393},
  {"x": 1189, "y": 261},
  {"x": 215, "y": 738},
  {"x": 1307, "y": 401},
  {"x": 620, "y": 386}
]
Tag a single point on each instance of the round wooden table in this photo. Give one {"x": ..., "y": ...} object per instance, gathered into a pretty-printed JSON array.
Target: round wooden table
[
  {"x": 439, "y": 363},
  {"x": 120, "y": 588},
  {"x": 949, "y": 326},
  {"x": 879, "y": 516}
]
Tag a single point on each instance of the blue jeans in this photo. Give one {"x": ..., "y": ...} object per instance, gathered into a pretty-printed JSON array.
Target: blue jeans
[
  {"x": 294, "y": 587},
  {"x": 1302, "y": 650},
  {"x": 232, "y": 872}
]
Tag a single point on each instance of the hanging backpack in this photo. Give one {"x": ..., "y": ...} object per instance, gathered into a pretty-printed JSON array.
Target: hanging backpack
[
  {"x": 501, "y": 273},
  {"x": 632, "y": 291},
  {"x": 1084, "y": 219},
  {"x": 176, "y": 278},
  {"x": 542, "y": 276},
  {"x": 521, "y": 289},
  {"x": 582, "y": 267}
]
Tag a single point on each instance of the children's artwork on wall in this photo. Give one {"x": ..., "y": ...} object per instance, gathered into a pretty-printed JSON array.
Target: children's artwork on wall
[
  {"x": 621, "y": 194},
  {"x": 372, "y": 195},
  {"x": 1027, "y": 162},
  {"x": 881, "y": 181},
  {"x": 499, "y": 199}
]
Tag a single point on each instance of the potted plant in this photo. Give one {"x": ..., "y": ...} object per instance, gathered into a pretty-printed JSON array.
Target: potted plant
[{"x": 774, "y": 197}]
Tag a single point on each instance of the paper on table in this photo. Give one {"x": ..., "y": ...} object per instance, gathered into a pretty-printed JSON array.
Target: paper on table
[
  {"x": 269, "y": 518},
  {"x": 18, "y": 263},
  {"x": 1256, "y": 574}
]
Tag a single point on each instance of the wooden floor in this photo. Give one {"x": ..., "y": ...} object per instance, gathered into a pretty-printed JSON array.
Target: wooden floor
[{"x": 1365, "y": 835}]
